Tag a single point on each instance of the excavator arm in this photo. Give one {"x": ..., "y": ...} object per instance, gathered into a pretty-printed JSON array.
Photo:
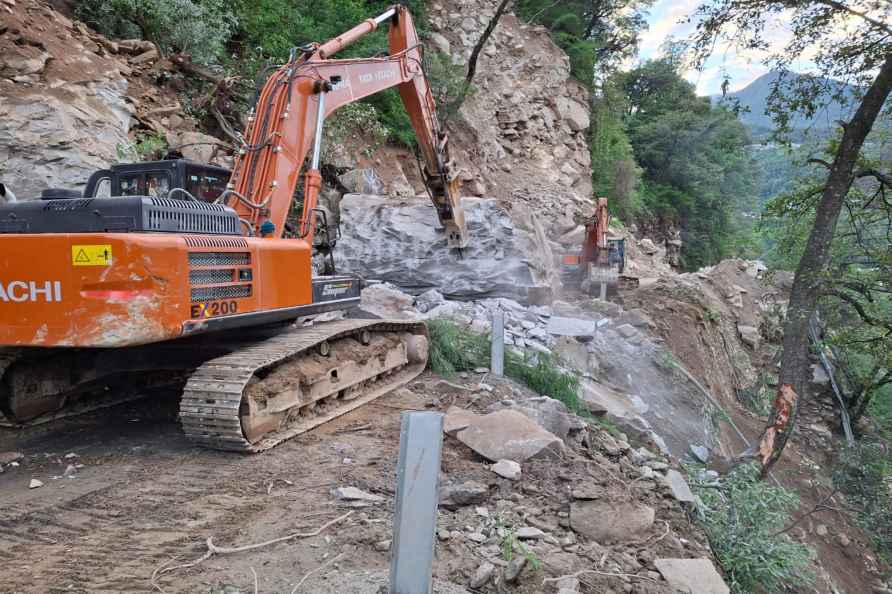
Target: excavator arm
[{"x": 286, "y": 127}]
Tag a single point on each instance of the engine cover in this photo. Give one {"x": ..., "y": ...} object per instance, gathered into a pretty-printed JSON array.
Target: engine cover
[{"x": 127, "y": 214}]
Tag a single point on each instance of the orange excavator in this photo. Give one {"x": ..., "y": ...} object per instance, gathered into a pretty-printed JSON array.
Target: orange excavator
[
  {"x": 597, "y": 269},
  {"x": 156, "y": 281}
]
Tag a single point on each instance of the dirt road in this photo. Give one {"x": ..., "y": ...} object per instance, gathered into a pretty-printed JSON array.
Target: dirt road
[{"x": 144, "y": 496}]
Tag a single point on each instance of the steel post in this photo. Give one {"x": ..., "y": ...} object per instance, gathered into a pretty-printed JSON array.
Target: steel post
[
  {"x": 417, "y": 498},
  {"x": 497, "y": 363}
]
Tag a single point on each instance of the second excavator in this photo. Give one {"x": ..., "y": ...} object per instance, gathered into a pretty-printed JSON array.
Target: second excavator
[{"x": 161, "y": 280}]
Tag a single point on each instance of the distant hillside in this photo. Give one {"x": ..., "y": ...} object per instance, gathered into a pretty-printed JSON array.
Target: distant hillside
[{"x": 755, "y": 97}]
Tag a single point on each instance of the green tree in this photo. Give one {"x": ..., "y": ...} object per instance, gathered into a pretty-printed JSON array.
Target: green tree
[
  {"x": 850, "y": 41},
  {"x": 697, "y": 173}
]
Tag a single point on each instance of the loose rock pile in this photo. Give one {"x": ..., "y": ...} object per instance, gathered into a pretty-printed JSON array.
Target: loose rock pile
[{"x": 553, "y": 514}]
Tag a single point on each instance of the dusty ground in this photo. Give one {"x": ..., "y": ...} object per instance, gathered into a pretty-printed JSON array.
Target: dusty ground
[{"x": 145, "y": 498}]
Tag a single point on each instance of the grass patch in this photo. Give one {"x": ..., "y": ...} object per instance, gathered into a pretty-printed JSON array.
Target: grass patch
[
  {"x": 758, "y": 398},
  {"x": 741, "y": 518},
  {"x": 863, "y": 474},
  {"x": 510, "y": 542},
  {"x": 454, "y": 349}
]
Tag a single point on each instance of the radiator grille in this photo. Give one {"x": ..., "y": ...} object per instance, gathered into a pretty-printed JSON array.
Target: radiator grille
[
  {"x": 211, "y": 277},
  {"x": 201, "y": 294},
  {"x": 201, "y": 241},
  {"x": 201, "y": 222},
  {"x": 219, "y": 258}
]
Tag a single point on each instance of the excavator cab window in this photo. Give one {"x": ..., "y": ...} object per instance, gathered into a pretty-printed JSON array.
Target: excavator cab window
[
  {"x": 132, "y": 185},
  {"x": 151, "y": 183},
  {"x": 205, "y": 184}
]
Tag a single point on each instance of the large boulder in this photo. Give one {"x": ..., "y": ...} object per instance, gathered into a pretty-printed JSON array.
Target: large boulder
[
  {"x": 548, "y": 413},
  {"x": 401, "y": 242},
  {"x": 510, "y": 435}
]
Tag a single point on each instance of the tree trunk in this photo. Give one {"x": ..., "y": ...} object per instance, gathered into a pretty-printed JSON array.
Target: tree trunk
[
  {"x": 808, "y": 281},
  {"x": 475, "y": 53}
]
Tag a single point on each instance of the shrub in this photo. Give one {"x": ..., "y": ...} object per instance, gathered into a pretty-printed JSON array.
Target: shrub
[
  {"x": 863, "y": 474},
  {"x": 741, "y": 519},
  {"x": 200, "y": 28},
  {"x": 148, "y": 146}
]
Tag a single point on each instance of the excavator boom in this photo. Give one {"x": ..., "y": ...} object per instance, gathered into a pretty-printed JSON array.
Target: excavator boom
[{"x": 287, "y": 126}]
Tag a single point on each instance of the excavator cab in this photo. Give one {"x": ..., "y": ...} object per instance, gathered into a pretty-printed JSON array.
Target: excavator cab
[{"x": 157, "y": 179}]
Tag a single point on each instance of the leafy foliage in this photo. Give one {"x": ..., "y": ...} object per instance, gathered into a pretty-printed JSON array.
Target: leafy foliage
[
  {"x": 741, "y": 520},
  {"x": 454, "y": 349},
  {"x": 147, "y": 146},
  {"x": 863, "y": 474},
  {"x": 697, "y": 172},
  {"x": 197, "y": 27},
  {"x": 856, "y": 302}
]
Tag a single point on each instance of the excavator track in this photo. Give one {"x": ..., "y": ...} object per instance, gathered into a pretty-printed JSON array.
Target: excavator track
[{"x": 256, "y": 397}]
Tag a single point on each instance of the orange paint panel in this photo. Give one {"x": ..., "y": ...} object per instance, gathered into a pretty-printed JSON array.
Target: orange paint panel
[{"x": 144, "y": 295}]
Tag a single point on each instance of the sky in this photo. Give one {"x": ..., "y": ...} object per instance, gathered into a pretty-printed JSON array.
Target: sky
[{"x": 666, "y": 21}]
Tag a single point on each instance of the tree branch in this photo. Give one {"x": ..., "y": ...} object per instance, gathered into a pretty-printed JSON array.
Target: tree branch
[
  {"x": 881, "y": 177},
  {"x": 857, "y": 306},
  {"x": 863, "y": 15},
  {"x": 820, "y": 162}
]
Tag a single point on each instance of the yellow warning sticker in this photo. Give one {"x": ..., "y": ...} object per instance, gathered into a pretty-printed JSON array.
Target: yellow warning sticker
[{"x": 91, "y": 255}]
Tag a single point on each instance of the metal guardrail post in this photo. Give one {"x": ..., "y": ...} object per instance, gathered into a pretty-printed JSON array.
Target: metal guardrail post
[
  {"x": 417, "y": 498},
  {"x": 497, "y": 362}
]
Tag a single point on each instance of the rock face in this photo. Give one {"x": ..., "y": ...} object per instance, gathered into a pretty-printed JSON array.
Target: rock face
[
  {"x": 606, "y": 522},
  {"x": 522, "y": 133},
  {"x": 509, "y": 435},
  {"x": 64, "y": 109},
  {"x": 401, "y": 242}
]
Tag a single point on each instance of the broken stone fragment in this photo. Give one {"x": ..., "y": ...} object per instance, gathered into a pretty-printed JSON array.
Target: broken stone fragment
[
  {"x": 749, "y": 334},
  {"x": 647, "y": 246},
  {"x": 529, "y": 533},
  {"x": 10, "y": 457},
  {"x": 429, "y": 300},
  {"x": 701, "y": 453},
  {"x": 610, "y": 522},
  {"x": 35, "y": 484},
  {"x": 508, "y": 434},
  {"x": 508, "y": 469},
  {"x": 482, "y": 575},
  {"x": 354, "y": 494},
  {"x": 626, "y": 330},
  {"x": 515, "y": 566},
  {"x": 679, "y": 487},
  {"x": 145, "y": 57},
  {"x": 466, "y": 493},
  {"x": 692, "y": 575},
  {"x": 363, "y": 181}
]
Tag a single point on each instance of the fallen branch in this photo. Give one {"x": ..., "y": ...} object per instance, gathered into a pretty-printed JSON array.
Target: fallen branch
[
  {"x": 312, "y": 571},
  {"x": 254, "y": 573},
  {"x": 606, "y": 573},
  {"x": 821, "y": 506},
  {"x": 215, "y": 550}
]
